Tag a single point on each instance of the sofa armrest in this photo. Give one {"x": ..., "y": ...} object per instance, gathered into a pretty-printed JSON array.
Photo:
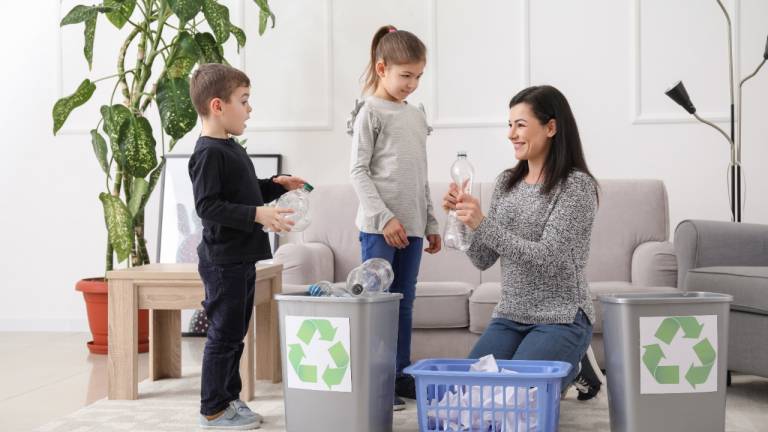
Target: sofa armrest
[
  {"x": 701, "y": 243},
  {"x": 654, "y": 264},
  {"x": 305, "y": 263}
]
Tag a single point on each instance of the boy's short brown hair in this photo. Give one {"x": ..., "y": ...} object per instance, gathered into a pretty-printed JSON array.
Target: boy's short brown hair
[{"x": 214, "y": 80}]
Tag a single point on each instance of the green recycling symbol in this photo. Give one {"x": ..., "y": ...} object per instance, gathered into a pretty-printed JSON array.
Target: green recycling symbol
[
  {"x": 307, "y": 372},
  {"x": 670, "y": 374}
]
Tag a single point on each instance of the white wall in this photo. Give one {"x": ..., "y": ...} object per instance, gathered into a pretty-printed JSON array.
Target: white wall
[{"x": 613, "y": 60}]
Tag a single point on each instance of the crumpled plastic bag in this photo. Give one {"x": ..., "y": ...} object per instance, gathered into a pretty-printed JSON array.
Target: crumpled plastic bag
[{"x": 471, "y": 408}]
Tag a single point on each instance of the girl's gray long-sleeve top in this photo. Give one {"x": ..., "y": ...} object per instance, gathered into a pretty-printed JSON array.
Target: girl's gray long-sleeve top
[{"x": 389, "y": 167}]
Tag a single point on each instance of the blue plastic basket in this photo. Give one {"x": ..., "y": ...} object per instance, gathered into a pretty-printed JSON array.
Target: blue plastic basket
[{"x": 451, "y": 397}]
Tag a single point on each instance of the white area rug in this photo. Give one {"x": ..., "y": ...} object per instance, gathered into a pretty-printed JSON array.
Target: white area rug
[{"x": 172, "y": 405}]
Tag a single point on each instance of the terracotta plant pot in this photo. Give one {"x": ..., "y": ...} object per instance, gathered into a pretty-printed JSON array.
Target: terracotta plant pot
[{"x": 95, "y": 292}]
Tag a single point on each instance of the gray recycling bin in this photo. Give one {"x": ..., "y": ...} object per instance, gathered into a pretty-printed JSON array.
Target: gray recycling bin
[
  {"x": 666, "y": 360},
  {"x": 338, "y": 358}
]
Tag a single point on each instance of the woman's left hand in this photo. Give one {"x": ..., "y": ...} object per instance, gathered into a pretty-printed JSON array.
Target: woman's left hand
[
  {"x": 289, "y": 182},
  {"x": 468, "y": 211}
]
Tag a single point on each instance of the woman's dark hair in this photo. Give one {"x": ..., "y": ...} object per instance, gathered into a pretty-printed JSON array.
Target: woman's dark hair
[
  {"x": 565, "y": 152},
  {"x": 392, "y": 46}
]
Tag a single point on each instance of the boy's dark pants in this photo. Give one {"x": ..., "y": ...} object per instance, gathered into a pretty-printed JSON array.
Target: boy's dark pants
[{"x": 228, "y": 304}]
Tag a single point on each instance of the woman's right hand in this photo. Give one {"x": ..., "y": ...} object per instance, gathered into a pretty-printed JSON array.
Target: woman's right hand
[
  {"x": 273, "y": 218},
  {"x": 451, "y": 197}
]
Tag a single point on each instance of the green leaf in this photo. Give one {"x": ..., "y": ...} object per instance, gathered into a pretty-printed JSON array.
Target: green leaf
[
  {"x": 140, "y": 157},
  {"x": 153, "y": 177},
  {"x": 64, "y": 106},
  {"x": 90, "y": 31},
  {"x": 183, "y": 56},
  {"x": 119, "y": 225},
  {"x": 100, "y": 149},
  {"x": 116, "y": 120},
  {"x": 265, "y": 14},
  {"x": 139, "y": 189},
  {"x": 121, "y": 14},
  {"x": 239, "y": 35},
  {"x": 79, "y": 14},
  {"x": 210, "y": 51},
  {"x": 185, "y": 10},
  {"x": 177, "y": 113},
  {"x": 217, "y": 16}
]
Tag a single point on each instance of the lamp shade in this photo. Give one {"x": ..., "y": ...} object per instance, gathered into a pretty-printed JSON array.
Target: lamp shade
[
  {"x": 765, "y": 54},
  {"x": 678, "y": 94}
]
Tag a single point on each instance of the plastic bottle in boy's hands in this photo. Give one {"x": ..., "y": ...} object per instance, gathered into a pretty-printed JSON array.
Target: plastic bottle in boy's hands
[
  {"x": 298, "y": 201},
  {"x": 372, "y": 277},
  {"x": 456, "y": 235}
]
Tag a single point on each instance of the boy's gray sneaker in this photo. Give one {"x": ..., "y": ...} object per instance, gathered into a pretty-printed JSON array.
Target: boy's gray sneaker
[
  {"x": 230, "y": 420},
  {"x": 243, "y": 409}
]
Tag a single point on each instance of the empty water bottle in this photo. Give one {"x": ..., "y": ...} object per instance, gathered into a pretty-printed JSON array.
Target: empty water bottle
[
  {"x": 456, "y": 235},
  {"x": 298, "y": 201},
  {"x": 372, "y": 277},
  {"x": 326, "y": 289}
]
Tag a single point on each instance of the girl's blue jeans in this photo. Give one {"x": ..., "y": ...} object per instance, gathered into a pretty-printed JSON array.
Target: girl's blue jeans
[{"x": 405, "y": 263}]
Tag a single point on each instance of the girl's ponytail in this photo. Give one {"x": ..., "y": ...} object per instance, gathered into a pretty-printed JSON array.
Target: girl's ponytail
[
  {"x": 392, "y": 46},
  {"x": 371, "y": 77}
]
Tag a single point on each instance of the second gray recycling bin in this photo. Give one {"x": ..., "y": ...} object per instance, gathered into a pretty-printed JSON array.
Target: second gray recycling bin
[
  {"x": 338, "y": 359},
  {"x": 666, "y": 361}
]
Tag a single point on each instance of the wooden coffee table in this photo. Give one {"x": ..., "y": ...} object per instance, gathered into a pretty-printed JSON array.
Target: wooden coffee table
[{"x": 166, "y": 289}]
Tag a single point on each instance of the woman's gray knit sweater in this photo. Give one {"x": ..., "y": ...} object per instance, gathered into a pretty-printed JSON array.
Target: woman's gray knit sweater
[{"x": 543, "y": 242}]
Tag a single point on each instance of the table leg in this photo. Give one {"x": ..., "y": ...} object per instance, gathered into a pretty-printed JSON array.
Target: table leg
[
  {"x": 123, "y": 358},
  {"x": 267, "y": 335},
  {"x": 165, "y": 344}
]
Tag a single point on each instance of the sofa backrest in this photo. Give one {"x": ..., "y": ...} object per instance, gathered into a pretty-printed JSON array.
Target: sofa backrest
[{"x": 630, "y": 212}]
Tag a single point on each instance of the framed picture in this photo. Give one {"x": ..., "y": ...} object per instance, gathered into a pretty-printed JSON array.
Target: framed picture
[{"x": 180, "y": 229}]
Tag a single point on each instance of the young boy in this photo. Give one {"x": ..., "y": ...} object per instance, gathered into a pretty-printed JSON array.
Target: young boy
[{"x": 229, "y": 199}]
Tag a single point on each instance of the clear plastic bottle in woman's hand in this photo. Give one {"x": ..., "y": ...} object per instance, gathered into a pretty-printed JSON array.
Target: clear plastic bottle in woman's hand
[
  {"x": 298, "y": 201},
  {"x": 456, "y": 235}
]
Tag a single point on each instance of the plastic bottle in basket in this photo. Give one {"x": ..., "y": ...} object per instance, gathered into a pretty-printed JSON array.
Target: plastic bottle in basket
[
  {"x": 456, "y": 235},
  {"x": 326, "y": 289},
  {"x": 298, "y": 201},
  {"x": 372, "y": 277}
]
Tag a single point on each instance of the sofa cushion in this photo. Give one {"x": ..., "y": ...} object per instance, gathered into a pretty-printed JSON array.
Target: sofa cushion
[
  {"x": 441, "y": 305},
  {"x": 481, "y": 304},
  {"x": 747, "y": 285},
  {"x": 485, "y": 297}
]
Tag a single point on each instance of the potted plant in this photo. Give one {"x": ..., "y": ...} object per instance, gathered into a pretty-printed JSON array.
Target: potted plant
[{"x": 171, "y": 36}]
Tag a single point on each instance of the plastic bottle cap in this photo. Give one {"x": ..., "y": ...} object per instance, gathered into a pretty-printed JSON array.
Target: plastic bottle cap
[
  {"x": 308, "y": 187},
  {"x": 357, "y": 289},
  {"x": 461, "y": 153}
]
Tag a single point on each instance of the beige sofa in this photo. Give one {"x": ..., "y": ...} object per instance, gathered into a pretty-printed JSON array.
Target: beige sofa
[{"x": 454, "y": 300}]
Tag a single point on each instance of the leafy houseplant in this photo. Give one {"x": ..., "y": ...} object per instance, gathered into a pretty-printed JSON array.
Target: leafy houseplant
[{"x": 169, "y": 36}]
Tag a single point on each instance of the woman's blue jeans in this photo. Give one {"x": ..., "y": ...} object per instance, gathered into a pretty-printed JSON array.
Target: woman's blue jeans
[{"x": 507, "y": 339}]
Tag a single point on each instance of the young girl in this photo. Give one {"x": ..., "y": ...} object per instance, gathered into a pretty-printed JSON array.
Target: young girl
[{"x": 389, "y": 174}]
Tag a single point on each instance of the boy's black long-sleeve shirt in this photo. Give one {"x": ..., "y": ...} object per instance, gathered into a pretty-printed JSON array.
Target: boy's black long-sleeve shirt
[{"x": 227, "y": 192}]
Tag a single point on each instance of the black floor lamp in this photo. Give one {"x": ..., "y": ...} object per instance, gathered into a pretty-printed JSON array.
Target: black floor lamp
[{"x": 678, "y": 94}]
